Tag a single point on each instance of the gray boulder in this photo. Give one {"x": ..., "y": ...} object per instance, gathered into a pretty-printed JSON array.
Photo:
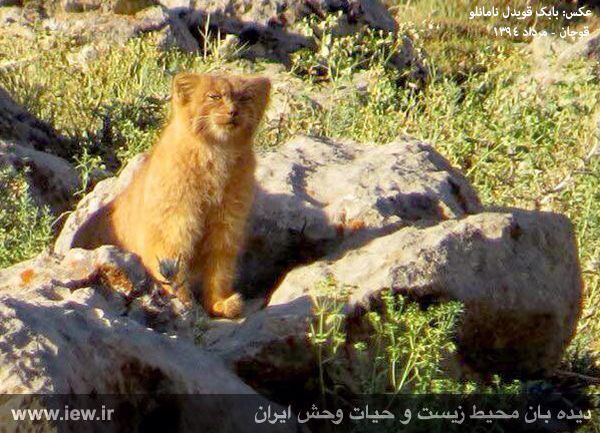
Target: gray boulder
[
  {"x": 270, "y": 350},
  {"x": 587, "y": 48},
  {"x": 550, "y": 56},
  {"x": 273, "y": 29},
  {"x": 314, "y": 193},
  {"x": 516, "y": 273},
  {"x": 97, "y": 28},
  {"x": 124, "y": 7},
  {"x": 11, "y": 13},
  {"x": 110, "y": 278},
  {"x": 103, "y": 193},
  {"x": 268, "y": 29}
]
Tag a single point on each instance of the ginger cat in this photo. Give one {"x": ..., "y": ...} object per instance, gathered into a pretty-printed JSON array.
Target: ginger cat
[{"x": 191, "y": 198}]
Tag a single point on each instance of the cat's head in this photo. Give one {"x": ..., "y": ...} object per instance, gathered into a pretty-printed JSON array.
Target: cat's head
[{"x": 220, "y": 107}]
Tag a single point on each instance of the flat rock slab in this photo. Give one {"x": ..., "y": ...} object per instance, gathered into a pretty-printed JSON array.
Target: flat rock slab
[{"x": 66, "y": 330}]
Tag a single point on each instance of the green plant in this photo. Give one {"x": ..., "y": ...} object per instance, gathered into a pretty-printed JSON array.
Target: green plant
[
  {"x": 25, "y": 228},
  {"x": 400, "y": 348},
  {"x": 410, "y": 345},
  {"x": 326, "y": 332}
]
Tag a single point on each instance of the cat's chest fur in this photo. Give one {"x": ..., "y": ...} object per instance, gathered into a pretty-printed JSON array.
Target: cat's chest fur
[{"x": 195, "y": 195}]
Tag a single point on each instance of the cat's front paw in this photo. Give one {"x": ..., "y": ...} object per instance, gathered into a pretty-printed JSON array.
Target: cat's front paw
[{"x": 229, "y": 308}]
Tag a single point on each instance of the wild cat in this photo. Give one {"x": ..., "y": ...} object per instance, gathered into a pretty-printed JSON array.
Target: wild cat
[{"x": 190, "y": 199}]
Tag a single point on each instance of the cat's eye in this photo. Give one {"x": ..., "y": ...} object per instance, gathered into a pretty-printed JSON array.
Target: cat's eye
[
  {"x": 214, "y": 96},
  {"x": 245, "y": 98}
]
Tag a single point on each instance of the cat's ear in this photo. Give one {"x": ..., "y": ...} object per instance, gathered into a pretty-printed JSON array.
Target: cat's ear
[
  {"x": 261, "y": 87},
  {"x": 184, "y": 84}
]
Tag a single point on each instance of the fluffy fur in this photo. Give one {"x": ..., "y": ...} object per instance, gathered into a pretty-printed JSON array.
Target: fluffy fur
[{"x": 191, "y": 198}]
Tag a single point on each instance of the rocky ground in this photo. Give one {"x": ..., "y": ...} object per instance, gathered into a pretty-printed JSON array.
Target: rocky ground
[
  {"x": 361, "y": 219},
  {"x": 397, "y": 217}
]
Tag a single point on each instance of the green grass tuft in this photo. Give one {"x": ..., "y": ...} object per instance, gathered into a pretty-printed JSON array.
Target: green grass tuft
[{"x": 25, "y": 229}]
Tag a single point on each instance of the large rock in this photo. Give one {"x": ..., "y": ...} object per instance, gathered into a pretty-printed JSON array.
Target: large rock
[
  {"x": 370, "y": 12},
  {"x": 107, "y": 278},
  {"x": 79, "y": 5},
  {"x": 588, "y": 47},
  {"x": 550, "y": 56},
  {"x": 11, "y": 14},
  {"x": 314, "y": 193},
  {"x": 98, "y": 26},
  {"x": 177, "y": 35},
  {"x": 126, "y": 7},
  {"x": 70, "y": 327},
  {"x": 99, "y": 29},
  {"x": 516, "y": 273},
  {"x": 270, "y": 350}
]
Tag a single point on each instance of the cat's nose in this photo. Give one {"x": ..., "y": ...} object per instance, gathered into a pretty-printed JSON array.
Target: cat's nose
[{"x": 233, "y": 112}]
